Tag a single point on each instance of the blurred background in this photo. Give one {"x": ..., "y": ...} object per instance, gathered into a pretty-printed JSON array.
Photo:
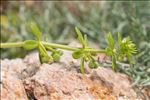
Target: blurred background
[{"x": 58, "y": 19}]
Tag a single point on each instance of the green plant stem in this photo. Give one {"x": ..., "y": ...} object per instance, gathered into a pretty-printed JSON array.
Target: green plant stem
[
  {"x": 71, "y": 48},
  {"x": 82, "y": 65},
  {"x": 53, "y": 45},
  {"x": 10, "y": 45}
]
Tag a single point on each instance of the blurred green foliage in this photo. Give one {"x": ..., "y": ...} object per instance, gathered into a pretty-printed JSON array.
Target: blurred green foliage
[{"x": 57, "y": 20}]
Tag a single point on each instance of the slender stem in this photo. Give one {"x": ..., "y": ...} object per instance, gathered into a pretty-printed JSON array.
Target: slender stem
[
  {"x": 71, "y": 48},
  {"x": 82, "y": 65},
  {"x": 10, "y": 45},
  {"x": 53, "y": 45},
  {"x": 95, "y": 50}
]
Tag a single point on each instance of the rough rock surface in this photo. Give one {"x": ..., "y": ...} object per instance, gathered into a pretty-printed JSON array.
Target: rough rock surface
[
  {"x": 26, "y": 79},
  {"x": 53, "y": 82},
  {"x": 11, "y": 85},
  {"x": 120, "y": 82}
]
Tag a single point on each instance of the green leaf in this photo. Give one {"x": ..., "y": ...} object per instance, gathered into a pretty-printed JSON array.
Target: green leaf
[
  {"x": 46, "y": 59},
  {"x": 127, "y": 48},
  {"x": 35, "y": 30},
  {"x": 109, "y": 51},
  {"x": 42, "y": 48},
  {"x": 85, "y": 41},
  {"x": 30, "y": 44},
  {"x": 86, "y": 57},
  {"x": 43, "y": 54},
  {"x": 82, "y": 65},
  {"x": 56, "y": 55},
  {"x": 80, "y": 36},
  {"x": 93, "y": 64},
  {"x": 110, "y": 41},
  {"x": 77, "y": 54},
  {"x": 119, "y": 38}
]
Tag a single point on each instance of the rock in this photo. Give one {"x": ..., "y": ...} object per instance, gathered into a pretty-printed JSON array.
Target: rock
[
  {"x": 12, "y": 67},
  {"x": 32, "y": 65},
  {"x": 12, "y": 73},
  {"x": 12, "y": 89},
  {"x": 23, "y": 79},
  {"x": 11, "y": 86},
  {"x": 52, "y": 82},
  {"x": 120, "y": 82}
]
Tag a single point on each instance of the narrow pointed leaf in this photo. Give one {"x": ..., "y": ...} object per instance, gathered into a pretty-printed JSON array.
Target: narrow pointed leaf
[
  {"x": 119, "y": 38},
  {"x": 110, "y": 41},
  {"x": 43, "y": 54},
  {"x": 35, "y": 30},
  {"x": 85, "y": 41},
  {"x": 80, "y": 36}
]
